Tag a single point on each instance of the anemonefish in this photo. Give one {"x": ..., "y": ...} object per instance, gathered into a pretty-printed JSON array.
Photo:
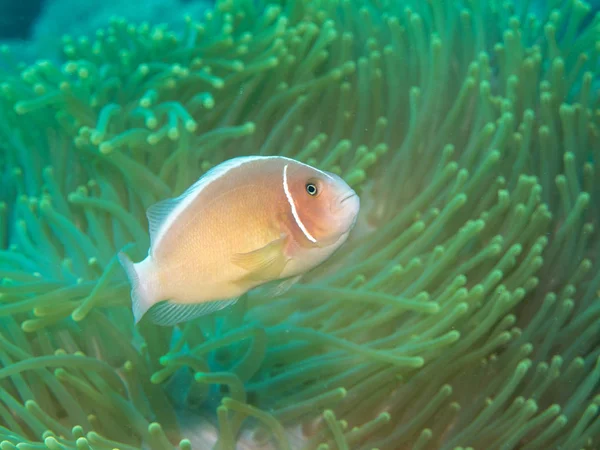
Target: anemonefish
[{"x": 246, "y": 222}]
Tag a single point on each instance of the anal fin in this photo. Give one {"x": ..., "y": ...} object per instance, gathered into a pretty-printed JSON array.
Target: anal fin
[
  {"x": 265, "y": 263},
  {"x": 169, "y": 313}
]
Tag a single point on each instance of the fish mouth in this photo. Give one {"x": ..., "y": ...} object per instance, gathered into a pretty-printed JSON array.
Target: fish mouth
[
  {"x": 338, "y": 205},
  {"x": 348, "y": 197}
]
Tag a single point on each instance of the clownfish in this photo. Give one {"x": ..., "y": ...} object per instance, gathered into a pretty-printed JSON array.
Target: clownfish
[{"x": 246, "y": 222}]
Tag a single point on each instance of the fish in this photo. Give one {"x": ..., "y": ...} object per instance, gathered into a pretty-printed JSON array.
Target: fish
[{"x": 248, "y": 222}]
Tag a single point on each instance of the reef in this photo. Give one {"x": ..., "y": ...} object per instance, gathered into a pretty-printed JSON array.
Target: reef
[{"x": 463, "y": 314}]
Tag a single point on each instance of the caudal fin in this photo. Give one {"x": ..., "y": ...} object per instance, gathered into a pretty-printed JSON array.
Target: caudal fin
[{"x": 142, "y": 295}]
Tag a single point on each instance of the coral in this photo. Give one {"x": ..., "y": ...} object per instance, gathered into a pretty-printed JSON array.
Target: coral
[{"x": 465, "y": 311}]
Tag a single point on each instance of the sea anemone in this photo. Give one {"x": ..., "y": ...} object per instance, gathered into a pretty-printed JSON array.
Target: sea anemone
[{"x": 464, "y": 312}]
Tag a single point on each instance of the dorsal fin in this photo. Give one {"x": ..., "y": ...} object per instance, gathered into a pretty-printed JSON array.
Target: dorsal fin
[
  {"x": 157, "y": 215},
  {"x": 162, "y": 214}
]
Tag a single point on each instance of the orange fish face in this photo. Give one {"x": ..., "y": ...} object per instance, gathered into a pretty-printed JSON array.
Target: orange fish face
[{"x": 324, "y": 207}]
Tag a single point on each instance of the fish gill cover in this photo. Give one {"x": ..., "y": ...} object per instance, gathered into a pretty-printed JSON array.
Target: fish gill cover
[{"x": 465, "y": 311}]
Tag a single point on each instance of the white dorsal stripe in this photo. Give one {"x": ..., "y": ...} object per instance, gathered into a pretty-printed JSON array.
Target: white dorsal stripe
[
  {"x": 186, "y": 199},
  {"x": 290, "y": 200},
  {"x": 325, "y": 174},
  {"x": 191, "y": 193}
]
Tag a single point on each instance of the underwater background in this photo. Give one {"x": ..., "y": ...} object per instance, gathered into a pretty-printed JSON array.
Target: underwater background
[{"x": 464, "y": 312}]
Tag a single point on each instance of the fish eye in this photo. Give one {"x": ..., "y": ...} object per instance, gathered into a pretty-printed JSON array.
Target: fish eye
[{"x": 311, "y": 188}]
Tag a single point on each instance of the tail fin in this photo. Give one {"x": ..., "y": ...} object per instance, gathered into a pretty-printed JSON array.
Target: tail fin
[{"x": 142, "y": 295}]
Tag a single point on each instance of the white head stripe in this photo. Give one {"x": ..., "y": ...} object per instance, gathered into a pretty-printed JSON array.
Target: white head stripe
[{"x": 290, "y": 200}]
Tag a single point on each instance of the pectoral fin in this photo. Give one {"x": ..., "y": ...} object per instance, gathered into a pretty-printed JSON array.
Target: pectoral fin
[{"x": 265, "y": 263}]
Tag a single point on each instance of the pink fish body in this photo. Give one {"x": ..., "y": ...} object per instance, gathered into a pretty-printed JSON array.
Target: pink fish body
[{"x": 246, "y": 222}]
